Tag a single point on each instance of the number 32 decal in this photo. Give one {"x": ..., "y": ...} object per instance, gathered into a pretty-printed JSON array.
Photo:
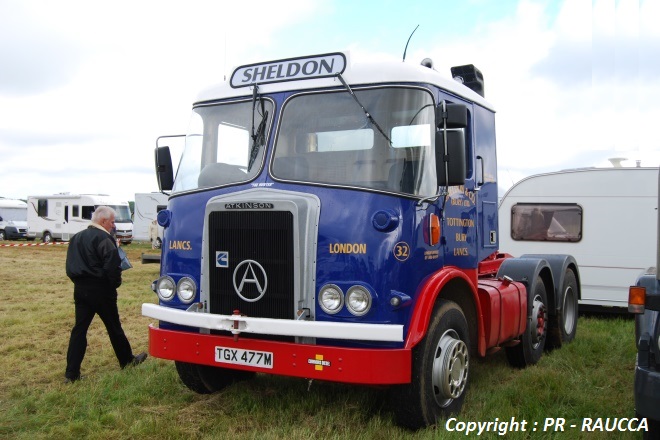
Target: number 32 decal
[{"x": 401, "y": 251}]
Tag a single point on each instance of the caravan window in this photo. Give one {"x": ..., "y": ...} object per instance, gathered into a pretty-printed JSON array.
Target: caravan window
[
  {"x": 87, "y": 212},
  {"x": 75, "y": 211},
  {"x": 546, "y": 222}
]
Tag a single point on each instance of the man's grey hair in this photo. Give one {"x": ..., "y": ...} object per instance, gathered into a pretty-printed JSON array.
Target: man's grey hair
[{"x": 103, "y": 213}]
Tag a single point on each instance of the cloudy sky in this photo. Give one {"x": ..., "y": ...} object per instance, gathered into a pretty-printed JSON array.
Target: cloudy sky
[{"x": 86, "y": 87}]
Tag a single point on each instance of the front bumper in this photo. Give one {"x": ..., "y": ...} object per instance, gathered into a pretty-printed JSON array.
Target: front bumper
[
  {"x": 340, "y": 364},
  {"x": 238, "y": 324},
  {"x": 337, "y": 364},
  {"x": 13, "y": 233}
]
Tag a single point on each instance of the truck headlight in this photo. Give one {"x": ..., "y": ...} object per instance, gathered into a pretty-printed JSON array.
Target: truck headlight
[
  {"x": 186, "y": 289},
  {"x": 358, "y": 300},
  {"x": 165, "y": 288},
  {"x": 331, "y": 299}
]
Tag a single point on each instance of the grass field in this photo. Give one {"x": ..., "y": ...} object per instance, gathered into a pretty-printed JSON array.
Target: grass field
[{"x": 589, "y": 378}]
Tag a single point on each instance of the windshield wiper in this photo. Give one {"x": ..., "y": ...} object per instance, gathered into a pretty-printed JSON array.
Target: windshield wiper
[
  {"x": 258, "y": 136},
  {"x": 367, "y": 114}
]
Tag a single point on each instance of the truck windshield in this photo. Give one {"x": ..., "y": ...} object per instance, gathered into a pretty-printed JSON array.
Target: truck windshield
[
  {"x": 328, "y": 138},
  {"x": 219, "y": 145},
  {"x": 13, "y": 214}
]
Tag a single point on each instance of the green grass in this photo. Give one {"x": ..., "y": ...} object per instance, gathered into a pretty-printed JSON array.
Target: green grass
[{"x": 591, "y": 377}]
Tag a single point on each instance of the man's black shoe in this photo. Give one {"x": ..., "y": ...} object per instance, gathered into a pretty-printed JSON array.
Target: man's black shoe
[{"x": 137, "y": 360}]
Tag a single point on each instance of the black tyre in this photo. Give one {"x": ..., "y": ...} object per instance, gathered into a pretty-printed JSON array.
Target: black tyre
[
  {"x": 654, "y": 430},
  {"x": 158, "y": 243},
  {"x": 2, "y": 235},
  {"x": 530, "y": 348},
  {"x": 440, "y": 371},
  {"x": 47, "y": 238},
  {"x": 568, "y": 317},
  {"x": 204, "y": 379},
  {"x": 189, "y": 375}
]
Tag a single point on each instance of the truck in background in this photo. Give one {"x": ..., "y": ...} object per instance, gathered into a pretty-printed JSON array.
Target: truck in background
[
  {"x": 59, "y": 216},
  {"x": 13, "y": 219},
  {"x": 337, "y": 221},
  {"x": 644, "y": 302},
  {"x": 147, "y": 206},
  {"x": 604, "y": 217}
]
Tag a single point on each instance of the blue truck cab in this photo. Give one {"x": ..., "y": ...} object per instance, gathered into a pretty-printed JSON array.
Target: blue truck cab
[{"x": 336, "y": 220}]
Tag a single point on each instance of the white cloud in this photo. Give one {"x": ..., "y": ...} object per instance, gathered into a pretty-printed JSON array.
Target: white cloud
[{"x": 86, "y": 88}]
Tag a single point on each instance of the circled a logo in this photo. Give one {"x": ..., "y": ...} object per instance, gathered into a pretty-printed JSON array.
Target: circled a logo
[{"x": 250, "y": 280}]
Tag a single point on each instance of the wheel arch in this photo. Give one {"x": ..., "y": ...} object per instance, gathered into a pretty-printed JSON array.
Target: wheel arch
[
  {"x": 454, "y": 285},
  {"x": 559, "y": 264}
]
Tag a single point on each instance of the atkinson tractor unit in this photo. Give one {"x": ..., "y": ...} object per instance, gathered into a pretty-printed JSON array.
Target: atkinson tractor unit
[{"x": 337, "y": 221}]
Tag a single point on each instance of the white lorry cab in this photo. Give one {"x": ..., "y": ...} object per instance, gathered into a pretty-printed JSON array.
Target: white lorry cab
[
  {"x": 13, "y": 219},
  {"x": 60, "y": 216},
  {"x": 604, "y": 217}
]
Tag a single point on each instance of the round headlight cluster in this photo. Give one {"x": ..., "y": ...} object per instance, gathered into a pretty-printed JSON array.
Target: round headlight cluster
[
  {"x": 165, "y": 288},
  {"x": 331, "y": 299},
  {"x": 357, "y": 299},
  {"x": 185, "y": 289}
]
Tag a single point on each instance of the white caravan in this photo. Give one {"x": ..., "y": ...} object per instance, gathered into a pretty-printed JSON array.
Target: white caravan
[
  {"x": 13, "y": 219},
  {"x": 147, "y": 206},
  {"x": 59, "y": 216},
  {"x": 604, "y": 217}
]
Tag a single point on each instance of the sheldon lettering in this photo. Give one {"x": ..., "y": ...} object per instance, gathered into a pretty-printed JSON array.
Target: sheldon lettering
[{"x": 287, "y": 70}]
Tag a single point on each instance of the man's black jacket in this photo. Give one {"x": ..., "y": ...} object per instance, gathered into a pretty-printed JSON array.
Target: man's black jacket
[{"x": 92, "y": 260}]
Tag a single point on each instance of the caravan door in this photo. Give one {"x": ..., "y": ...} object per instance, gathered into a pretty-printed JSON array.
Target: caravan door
[{"x": 66, "y": 229}]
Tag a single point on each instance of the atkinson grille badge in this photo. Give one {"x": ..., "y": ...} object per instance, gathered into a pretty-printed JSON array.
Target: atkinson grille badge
[{"x": 250, "y": 280}]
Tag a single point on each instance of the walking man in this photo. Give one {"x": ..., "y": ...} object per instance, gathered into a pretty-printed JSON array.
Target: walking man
[{"x": 94, "y": 266}]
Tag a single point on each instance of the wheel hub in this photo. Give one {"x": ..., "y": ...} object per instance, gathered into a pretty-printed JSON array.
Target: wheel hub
[
  {"x": 450, "y": 368},
  {"x": 539, "y": 321}
]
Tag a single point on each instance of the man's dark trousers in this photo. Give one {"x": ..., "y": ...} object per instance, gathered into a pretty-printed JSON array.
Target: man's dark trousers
[{"x": 90, "y": 301}]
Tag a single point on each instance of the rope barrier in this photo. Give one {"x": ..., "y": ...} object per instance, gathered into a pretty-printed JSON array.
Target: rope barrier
[{"x": 33, "y": 244}]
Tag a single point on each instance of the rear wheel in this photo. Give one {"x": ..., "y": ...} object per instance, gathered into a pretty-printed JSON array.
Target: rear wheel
[
  {"x": 2, "y": 235},
  {"x": 440, "y": 368},
  {"x": 569, "y": 309},
  {"x": 204, "y": 379},
  {"x": 530, "y": 348},
  {"x": 47, "y": 238}
]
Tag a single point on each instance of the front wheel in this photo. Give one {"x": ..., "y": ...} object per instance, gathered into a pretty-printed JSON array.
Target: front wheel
[
  {"x": 47, "y": 238},
  {"x": 440, "y": 371},
  {"x": 204, "y": 379}
]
